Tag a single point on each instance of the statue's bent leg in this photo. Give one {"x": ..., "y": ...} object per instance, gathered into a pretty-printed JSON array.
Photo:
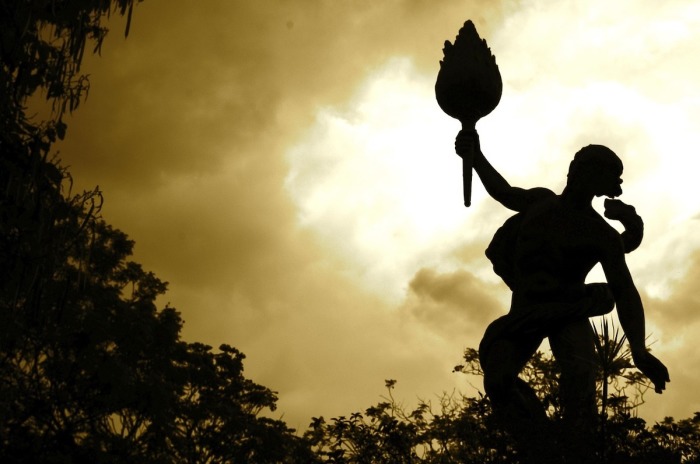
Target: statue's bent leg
[
  {"x": 502, "y": 356},
  {"x": 573, "y": 348},
  {"x": 516, "y": 407}
]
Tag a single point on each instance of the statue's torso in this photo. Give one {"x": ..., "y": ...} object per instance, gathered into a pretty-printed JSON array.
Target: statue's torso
[{"x": 555, "y": 249}]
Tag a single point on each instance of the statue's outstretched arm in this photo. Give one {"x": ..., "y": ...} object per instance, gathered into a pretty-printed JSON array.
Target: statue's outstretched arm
[
  {"x": 515, "y": 198},
  {"x": 631, "y": 314}
]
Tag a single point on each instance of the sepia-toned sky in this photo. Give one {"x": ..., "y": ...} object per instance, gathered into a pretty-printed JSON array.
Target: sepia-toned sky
[{"x": 284, "y": 166}]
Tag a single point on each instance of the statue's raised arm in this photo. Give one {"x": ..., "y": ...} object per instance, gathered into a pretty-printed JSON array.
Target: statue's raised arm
[{"x": 514, "y": 198}]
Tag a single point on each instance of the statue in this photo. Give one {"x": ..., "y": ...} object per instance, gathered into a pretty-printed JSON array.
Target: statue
[{"x": 544, "y": 253}]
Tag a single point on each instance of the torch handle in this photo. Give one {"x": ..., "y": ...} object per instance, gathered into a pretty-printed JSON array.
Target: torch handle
[
  {"x": 467, "y": 165},
  {"x": 467, "y": 162}
]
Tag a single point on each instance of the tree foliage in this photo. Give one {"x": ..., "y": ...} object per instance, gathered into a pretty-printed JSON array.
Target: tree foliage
[
  {"x": 42, "y": 47},
  {"x": 461, "y": 429},
  {"x": 91, "y": 370}
]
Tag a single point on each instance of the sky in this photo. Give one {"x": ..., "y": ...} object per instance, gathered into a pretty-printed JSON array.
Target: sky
[{"x": 285, "y": 167}]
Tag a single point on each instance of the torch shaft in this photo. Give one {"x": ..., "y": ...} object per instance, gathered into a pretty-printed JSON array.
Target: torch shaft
[{"x": 467, "y": 165}]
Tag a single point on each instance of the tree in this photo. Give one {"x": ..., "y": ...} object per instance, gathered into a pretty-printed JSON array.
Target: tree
[
  {"x": 461, "y": 429},
  {"x": 42, "y": 48},
  {"x": 91, "y": 370}
]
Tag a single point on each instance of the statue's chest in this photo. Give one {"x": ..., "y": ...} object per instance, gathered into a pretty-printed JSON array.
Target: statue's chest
[{"x": 560, "y": 237}]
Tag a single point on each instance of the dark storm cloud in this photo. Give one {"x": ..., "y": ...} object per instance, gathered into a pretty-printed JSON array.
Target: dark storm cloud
[
  {"x": 188, "y": 120},
  {"x": 185, "y": 131},
  {"x": 453, "y": 302},
  {"x": 195, "y": 83}
]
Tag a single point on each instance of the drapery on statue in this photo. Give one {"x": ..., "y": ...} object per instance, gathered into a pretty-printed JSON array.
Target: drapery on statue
[{"x": 544, "y": 253}]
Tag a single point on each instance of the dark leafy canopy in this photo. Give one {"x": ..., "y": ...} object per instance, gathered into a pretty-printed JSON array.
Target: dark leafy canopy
[
  {"x": 93, "y": 372},
  {"x": 460, "y": 429},
  {"x": 90, "y": 369},
  {"x": 42, "y": 46}
]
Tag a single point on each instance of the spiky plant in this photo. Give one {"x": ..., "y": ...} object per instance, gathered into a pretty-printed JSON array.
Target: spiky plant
[
  {"x": 614, "y": 362},
  {"x": 610, "y": 358}
]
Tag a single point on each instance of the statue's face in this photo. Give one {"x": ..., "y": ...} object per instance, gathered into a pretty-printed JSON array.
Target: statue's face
[
  {"x": 597, "y": 171},
  {"x": 608, "y": 181}
]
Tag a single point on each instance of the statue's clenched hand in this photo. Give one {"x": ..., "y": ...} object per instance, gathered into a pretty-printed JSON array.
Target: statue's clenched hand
[
  {"x": 626, "y": 214},
  {"x": 466, "y": 143},
  {"x": 652, "y": 368}
]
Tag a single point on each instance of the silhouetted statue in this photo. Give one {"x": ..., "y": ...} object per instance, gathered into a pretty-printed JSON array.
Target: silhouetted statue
[{"x": 544, "y": 253}]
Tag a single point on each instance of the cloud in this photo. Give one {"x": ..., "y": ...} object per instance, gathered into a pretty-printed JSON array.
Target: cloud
[
  {"x": 454, "y": 304},
  {"x": 674, "y": 323},
  {"x": 193, "y": 82},
  {"x": 371, "y": 183},
  {"x": 186, "y": 130},
  {"x": 248, "y": 149},
  {"x": 613, "y": 76}
]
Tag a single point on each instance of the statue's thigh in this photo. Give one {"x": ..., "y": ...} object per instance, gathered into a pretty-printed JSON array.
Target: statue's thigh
[
  {"x": 504, "y": 353},
  {"x": 574, "y": 349}
]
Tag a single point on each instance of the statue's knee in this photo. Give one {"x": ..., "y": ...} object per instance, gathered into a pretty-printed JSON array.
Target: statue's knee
[
  {"x": 498, "y": 386},
  {"x": 578, "y": 381},
  {"x": 602, "y": 299}
]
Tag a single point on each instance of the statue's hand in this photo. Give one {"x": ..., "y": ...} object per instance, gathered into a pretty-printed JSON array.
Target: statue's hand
[
  {"x": 466, "y": 143},
  {"x": 627, "y": 215},
  {"x": 620, "y": 211},
  {"x": 652, "y": 368}
]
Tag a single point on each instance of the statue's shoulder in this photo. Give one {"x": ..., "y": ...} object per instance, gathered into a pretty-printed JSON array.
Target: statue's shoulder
[
  {"x": 501, "y": 250},
  {"x": 537, "y": 199},
  {"x": 540, "y": 195}
]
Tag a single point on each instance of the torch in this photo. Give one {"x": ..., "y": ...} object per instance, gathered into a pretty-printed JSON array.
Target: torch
[{"x": 468, "y": 87}]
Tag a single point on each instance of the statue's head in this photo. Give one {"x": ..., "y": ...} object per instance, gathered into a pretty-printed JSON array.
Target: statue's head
[{"x": 597, "y": 169}]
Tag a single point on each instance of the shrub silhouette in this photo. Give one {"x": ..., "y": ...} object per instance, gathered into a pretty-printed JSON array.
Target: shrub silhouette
[{"x": 461, "y": 429}]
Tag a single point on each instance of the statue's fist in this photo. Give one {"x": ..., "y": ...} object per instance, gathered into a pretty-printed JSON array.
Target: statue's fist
[
  {"x": 627, "y": 215},
  {"x": 619, "y": 211},
  {"x": 466, "y": 143}
]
